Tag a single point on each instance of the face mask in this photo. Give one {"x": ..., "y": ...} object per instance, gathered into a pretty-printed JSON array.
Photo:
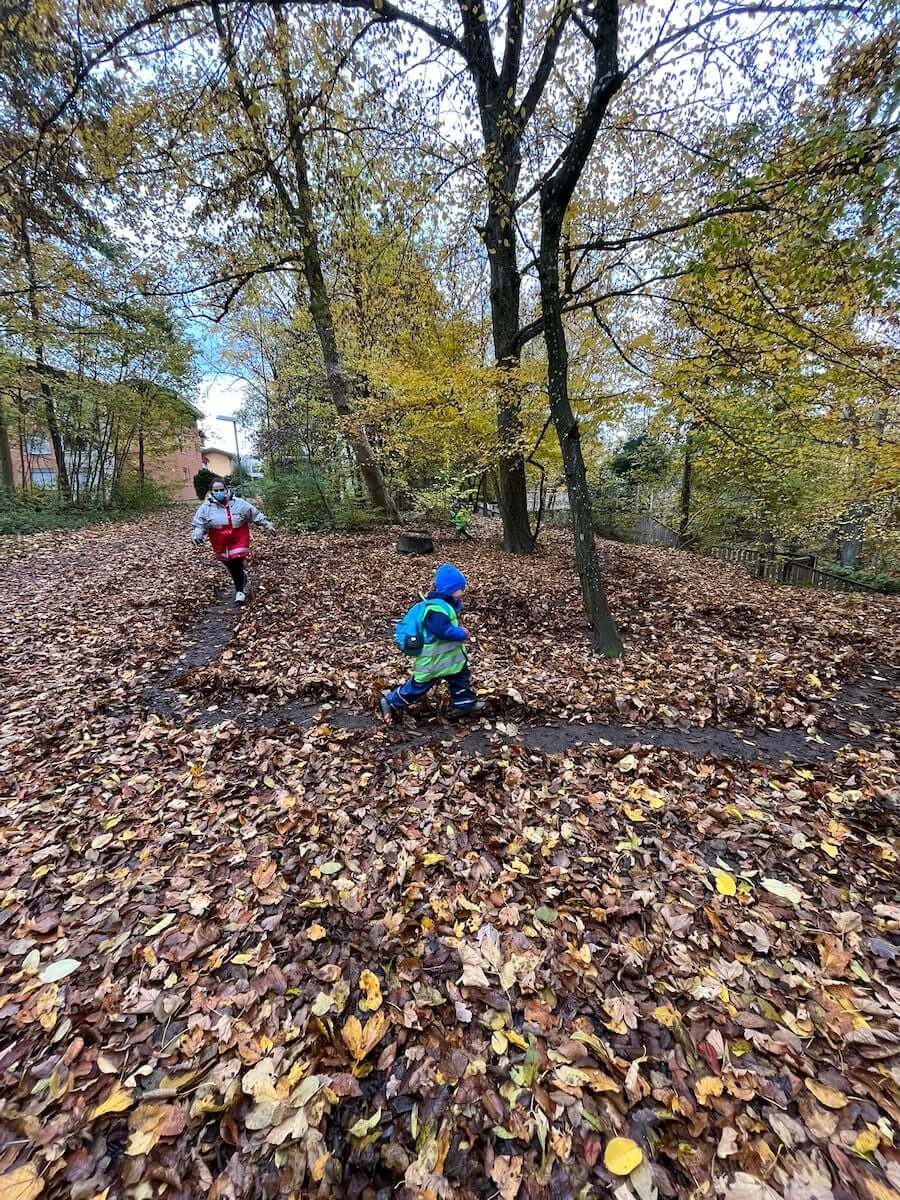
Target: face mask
[{"x": 220, "y": 497}]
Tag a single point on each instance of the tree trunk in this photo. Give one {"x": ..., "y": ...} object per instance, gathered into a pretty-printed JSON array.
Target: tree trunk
[
  {"x": 323, "y": 320},
  {"x": 62, "y": 474},
  {"x": 6, "y": 467},
  {"x": 606, "y": 638},
  {"x": 505, "y": 298},
  {"x": 684, "y": 537},
  {"x": 299, "y": 210}
]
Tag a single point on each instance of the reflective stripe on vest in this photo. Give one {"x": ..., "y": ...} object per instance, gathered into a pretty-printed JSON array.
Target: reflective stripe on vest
[{"x": 440, "y": 657}]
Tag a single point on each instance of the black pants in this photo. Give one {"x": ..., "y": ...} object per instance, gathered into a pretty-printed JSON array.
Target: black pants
[{"x": 235, "y": 568}]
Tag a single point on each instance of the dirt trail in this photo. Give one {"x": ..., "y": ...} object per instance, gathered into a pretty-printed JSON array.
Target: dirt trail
[{"x": 865, "y": 714}]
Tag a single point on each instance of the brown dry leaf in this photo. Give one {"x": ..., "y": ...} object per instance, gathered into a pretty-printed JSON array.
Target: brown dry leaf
[
  {"x": 828, "y": 1096},
  {"x": 506, "y": 1172},
  {"x": 150, "y": 1122},
  {"x": 264, "y": 874}
]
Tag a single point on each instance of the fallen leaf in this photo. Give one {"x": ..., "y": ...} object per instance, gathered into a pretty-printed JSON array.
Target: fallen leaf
[
  {"x": 506, "y": 1173},
  {"x": 119, "y": 1100},
  {"x": 365, "y": 1125},
  {"x": 708, "y": 1086},
  {"x": 828, "y": 1096},
  {"x": 725, "y": 884},
  {"x": 369, "y": 984},
  {"x": 622, "y": 1155},
  {"x": 24, "y": 1183},
  {"x": 785, "y": 891},
  {"x": 61, "y": 969}
]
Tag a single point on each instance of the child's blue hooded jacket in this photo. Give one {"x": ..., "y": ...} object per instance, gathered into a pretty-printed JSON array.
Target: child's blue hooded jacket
[{"x": 447, "y": 580}]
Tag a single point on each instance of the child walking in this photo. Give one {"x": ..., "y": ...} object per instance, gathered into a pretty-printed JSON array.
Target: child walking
[{"x": 443, "y": 651}]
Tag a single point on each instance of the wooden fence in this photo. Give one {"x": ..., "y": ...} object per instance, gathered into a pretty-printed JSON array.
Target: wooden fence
[{"x": 779, "y": 566}]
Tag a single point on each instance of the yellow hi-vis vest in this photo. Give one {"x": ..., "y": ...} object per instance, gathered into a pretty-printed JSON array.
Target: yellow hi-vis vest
[{"x": 440, "y": 657}]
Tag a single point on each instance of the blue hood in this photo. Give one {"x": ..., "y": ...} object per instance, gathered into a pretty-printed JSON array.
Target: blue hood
[{"x": 448, "y": 579}]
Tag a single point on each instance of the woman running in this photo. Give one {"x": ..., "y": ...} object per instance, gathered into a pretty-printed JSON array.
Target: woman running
[{"x": 225, "y": 519}]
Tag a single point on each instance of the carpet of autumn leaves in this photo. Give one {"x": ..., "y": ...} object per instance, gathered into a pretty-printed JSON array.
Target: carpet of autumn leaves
[{"x": 249, "y": 961}]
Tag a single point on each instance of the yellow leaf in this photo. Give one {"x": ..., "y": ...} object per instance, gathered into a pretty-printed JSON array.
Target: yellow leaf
[
  {"x": 622, "y": 1155},
  {"x": 22, "y": 1184},
  {"x": 633, "y": 813},
  {"x": 878, "y": 1190},
  {"x": 666, "y": 1015},
  {"x": 709, "y": 1085},
  {"x": 830, "y": 849},
  {"x": 828, "y": 1096},
  {"x": 499, "y": 1044},
  {"x": 867, "y": 1142},
  {"x": 361, "y": 1040},
  {"x": 368, "y": 982},
  {"x": 351, "y": 1035},
  {"x": 725, "y": 884},
  {"x": 118, "y": 1100},
  {"x": 316, "y": 932},
  {"x": 431, "y": 858},
  {"x": 317, "y": 1170}
]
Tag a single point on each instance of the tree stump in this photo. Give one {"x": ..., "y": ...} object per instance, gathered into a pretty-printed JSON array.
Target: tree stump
[{"x": 415, "y": 541}]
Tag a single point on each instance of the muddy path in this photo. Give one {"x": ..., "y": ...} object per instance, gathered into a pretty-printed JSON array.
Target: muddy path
[{"x": 865, "y": 714}]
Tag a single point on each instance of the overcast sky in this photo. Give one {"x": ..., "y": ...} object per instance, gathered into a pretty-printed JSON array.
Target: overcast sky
[{"x": 222, "y": 395}]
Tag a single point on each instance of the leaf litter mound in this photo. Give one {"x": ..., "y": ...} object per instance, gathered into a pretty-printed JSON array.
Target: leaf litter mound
[{"x": 240, "y": 961}]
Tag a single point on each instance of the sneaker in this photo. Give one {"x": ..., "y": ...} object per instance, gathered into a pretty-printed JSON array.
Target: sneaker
[
  {"x": 240, "y": 597},
  {"x": 387, "y": 709}
]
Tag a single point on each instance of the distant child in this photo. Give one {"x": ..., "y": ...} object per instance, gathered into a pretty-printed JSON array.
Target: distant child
[
  {"x": 443, "y": 649},
  {"x": 461, "y": 523}
]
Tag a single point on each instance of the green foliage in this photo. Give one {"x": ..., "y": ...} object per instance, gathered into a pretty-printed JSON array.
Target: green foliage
[
  {"x": 19, "y": 517},
  {"x": 640, "y": 459},
  {"x": 308, "y": 499},
  {"x": 133, "y": 494},
  {"x": 885, "y": 581},
  {"x": 240, "y": 482}
]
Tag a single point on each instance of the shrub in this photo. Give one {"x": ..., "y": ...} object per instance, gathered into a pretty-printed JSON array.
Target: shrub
[
  {"x": 132, "y": 495},
  {"x": 883, "y": 581},
  {"x": 305, "y": 499},
  {"x": 203, "y": 482},
  {"x": 18, "y": 516}
]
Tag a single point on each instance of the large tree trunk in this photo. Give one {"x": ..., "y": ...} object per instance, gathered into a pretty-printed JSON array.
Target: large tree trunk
[
  {"x": 606, "y": 638},
  {"x": 505, "y": 297}
]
